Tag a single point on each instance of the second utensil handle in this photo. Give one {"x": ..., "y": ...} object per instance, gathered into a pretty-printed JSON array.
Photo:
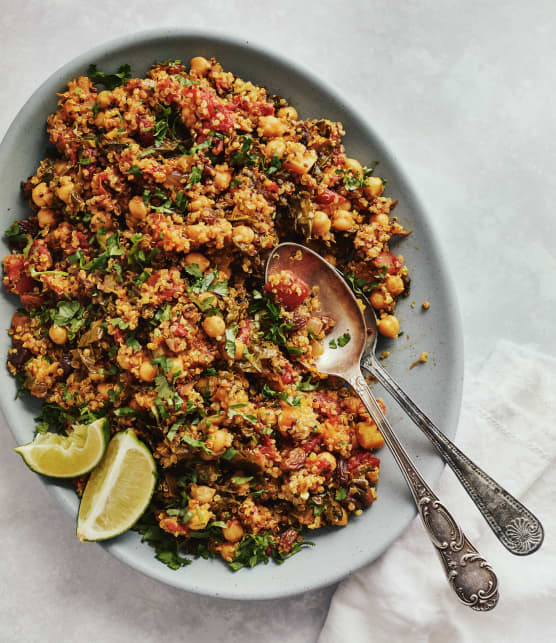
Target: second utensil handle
[
  {"x": 512, "y": 523},
  {"x": 470, "y": 576}
]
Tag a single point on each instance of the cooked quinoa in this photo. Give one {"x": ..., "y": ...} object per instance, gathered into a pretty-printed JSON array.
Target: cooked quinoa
[{"x": 141, "y": 278}]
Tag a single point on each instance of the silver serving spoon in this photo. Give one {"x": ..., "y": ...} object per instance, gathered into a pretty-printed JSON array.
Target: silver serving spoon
[
  {"x": 467, "y": 571},
  {"x": 512, "y": 523}
]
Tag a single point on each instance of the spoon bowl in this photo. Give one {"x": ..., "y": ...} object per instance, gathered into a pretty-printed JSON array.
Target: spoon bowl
[{"x": 337, "y": 301}]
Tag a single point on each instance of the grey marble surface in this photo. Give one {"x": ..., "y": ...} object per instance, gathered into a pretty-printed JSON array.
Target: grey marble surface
[{"x": 464, "y": 93}]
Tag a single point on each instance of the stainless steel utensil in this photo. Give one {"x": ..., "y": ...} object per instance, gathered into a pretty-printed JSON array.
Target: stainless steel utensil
[
  {"x": 512, "y": 523},
  {"x": 469, "y": 574}
]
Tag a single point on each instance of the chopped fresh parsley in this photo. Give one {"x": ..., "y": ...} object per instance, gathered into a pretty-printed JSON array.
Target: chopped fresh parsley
[
  {"x": 136, "y": 171},
  {"x": 340, "y": 494},
  {"x": 195, "y": 176},
  {"x": 307, "y": 385},
  {"x": 15, "y": 235},
  {"x": 70, "y": 315},
  {"x": 110, "y": 81},
  {"x": 198, "y": 444},
  {"x": 344, "y": 339},
  {"x": 166, "y": 546},
  {"x": 229, "y": 454},
  {"x": 243, "y": 157}
]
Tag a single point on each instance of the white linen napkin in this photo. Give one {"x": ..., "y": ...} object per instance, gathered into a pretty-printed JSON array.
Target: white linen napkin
[{"x": 508, "y": 426}]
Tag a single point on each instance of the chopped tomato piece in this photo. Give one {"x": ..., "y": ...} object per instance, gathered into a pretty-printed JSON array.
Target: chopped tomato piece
[
  {"x": 362, "y": 457},
  {"x": 289, "y": 289},
  {"x": 389, "y": 260}
]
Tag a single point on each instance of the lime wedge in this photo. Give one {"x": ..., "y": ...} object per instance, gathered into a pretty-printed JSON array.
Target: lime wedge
[
  {"x": 61, "y": 456},
  {"x": 119, "y": 489}
]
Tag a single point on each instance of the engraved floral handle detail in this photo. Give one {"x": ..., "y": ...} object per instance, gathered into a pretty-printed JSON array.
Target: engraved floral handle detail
[
  {"x": 470, "y": 576},
  {"x": 512, "y": 523}
]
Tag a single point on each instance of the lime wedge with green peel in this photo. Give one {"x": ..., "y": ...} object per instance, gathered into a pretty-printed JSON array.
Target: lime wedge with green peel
[
  {"x": 119, "y": 489},
  {"x": 67, "y": 456}
]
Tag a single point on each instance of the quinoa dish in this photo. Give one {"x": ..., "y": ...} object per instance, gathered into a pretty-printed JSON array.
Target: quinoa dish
[{"x": 140, "y": 275}]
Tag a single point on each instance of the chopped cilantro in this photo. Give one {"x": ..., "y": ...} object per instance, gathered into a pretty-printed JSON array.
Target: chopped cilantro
[
  {"x": 110, "y": 81},
  {"x": 229, "y": 454},
  {"x": 14, "y": 234},
  {"x": 136, "y": 171},
  {"x": 70, "y": 315},
  {"x": 195, "y": 176},
  {"x": 344, "y": 339},
  {"x": 243, "y": 157},
  {"x": 307, "y": 385},
  {"x": 198, "y": 444},
  {"x": 340, "y": 494}
]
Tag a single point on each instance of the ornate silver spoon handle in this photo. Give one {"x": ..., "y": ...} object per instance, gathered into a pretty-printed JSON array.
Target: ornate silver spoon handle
[
  {"x": 470, "y": 576},
  {"x": 513, "y": 524}
]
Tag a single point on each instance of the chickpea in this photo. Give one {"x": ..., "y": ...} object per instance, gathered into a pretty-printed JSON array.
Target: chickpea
[
  {"x": 328, "y": 460},
  {"x": 275, "y": 146},
  {"x": 202, "y": 493},
  {"x": 394, "y": 285},
  {"x": 71, "y": 109},
  {"x": 42, "y": 195},
  {"x": 199, "y": 259},
  {"x": 64, "y": 192},
  {"x": 382, "y": 219},
  {"x": 218, "y": 441},
  {"x": 288, "y": 112},
  {"x": 233, "y": 532},
  {"x": 374, "y": 187},
  {"x": 104, "y": 389},
  {"x": 147, "y": 371},
  {"x": 99, "y": 119},
  {"x": 198, "y": 203},
  {"x": 354, "y": 166},
  {"x": 377, "y": 299},
  {"x": 222, "y": 178},
  {"x": 101, "y": 220},
  {"x": 227, "y": 551},
  {"x": 242, "y": 234},
  {"x": 343, "y": 221},
  {"x": 104, "y": 99},
  {"x": 368, "y": 435},
  {"x": 287, "y": 417},
  {"x": 137, "y": 208},
  {"x": 46, "y": 217},
  {"x": 271, "y": 126},
  {"x": 317, "y": 349},
  {"x": 123, "y": 361},
  {"x": 58, "y": 334},
  {"x": 177, "y": 367},
  {"x": 214, "y": 326},
  {"x": 321, "y": 223},
  {"x": 201, "y": 66},
  {"x": 199, "y": 519},
  {"x": 389, "y": 326}
]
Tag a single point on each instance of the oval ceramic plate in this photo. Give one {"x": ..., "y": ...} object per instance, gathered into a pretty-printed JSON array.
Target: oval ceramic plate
[{"x": 436, "y": 386}]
